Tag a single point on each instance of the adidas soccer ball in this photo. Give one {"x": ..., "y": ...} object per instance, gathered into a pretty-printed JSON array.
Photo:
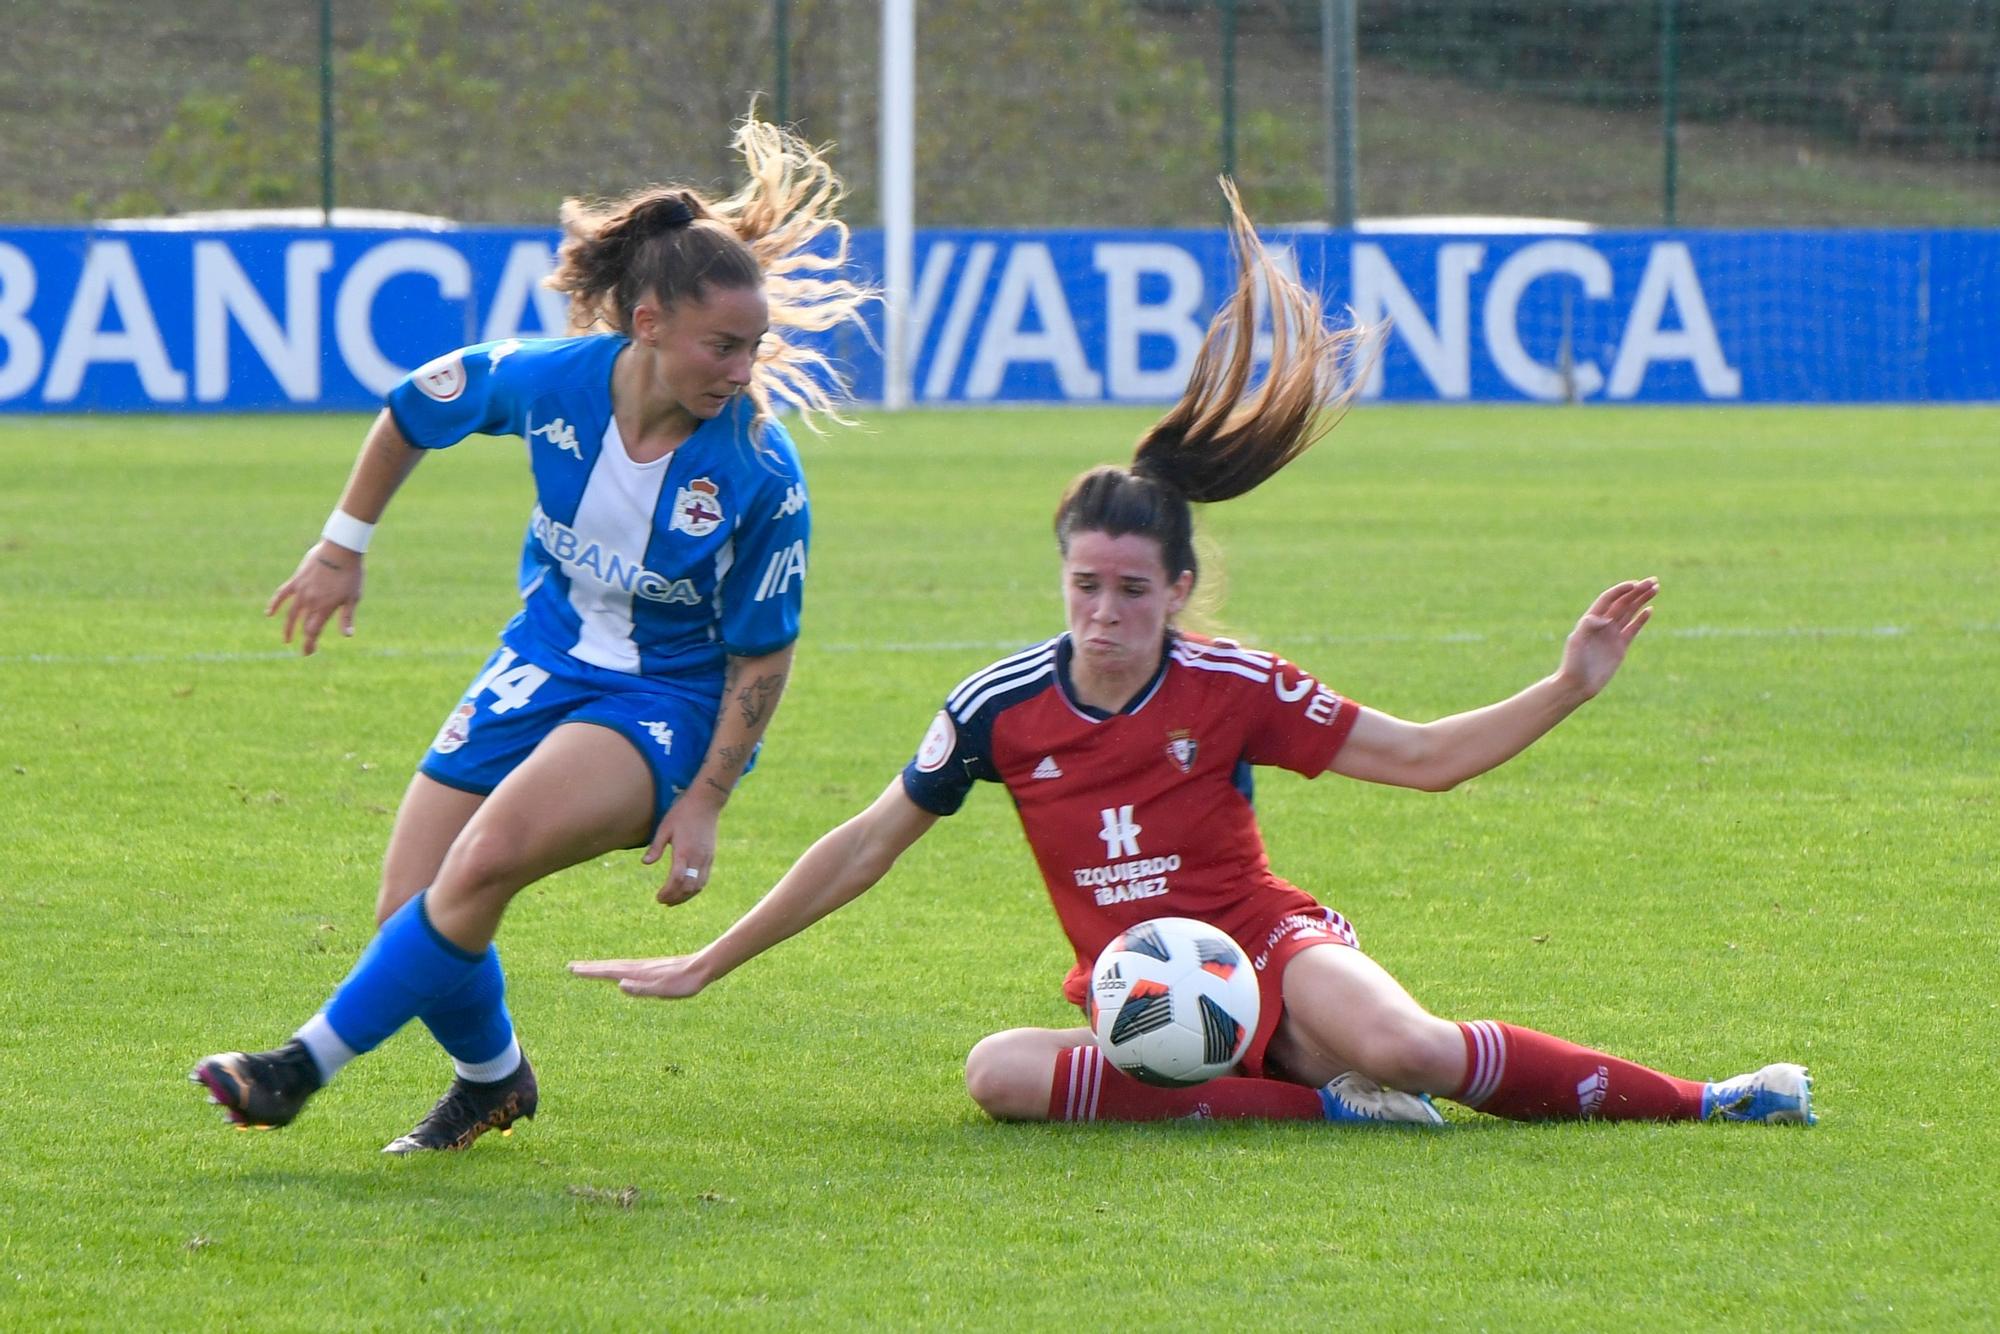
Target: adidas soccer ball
[{"x": 1173, "y": 1001}]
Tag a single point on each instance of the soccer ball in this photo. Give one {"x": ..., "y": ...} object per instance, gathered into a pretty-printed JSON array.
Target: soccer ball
[{"x": 1173, "y": 1001}]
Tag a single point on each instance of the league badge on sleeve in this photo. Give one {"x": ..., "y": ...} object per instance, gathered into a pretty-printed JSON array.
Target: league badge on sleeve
[
  {"x": 697, "y": 509},
  {"x": 442, "y": 378},
  {"x": 938, "y": 744}
]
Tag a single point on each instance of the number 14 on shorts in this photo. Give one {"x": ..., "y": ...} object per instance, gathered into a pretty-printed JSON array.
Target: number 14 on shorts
[{"x": 510, "y": 686}]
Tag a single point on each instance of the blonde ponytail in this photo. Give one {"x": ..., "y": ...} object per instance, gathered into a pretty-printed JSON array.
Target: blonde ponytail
[{"x": 780, "y": 232}]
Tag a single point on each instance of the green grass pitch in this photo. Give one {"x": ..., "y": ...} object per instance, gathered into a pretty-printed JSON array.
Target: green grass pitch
[{"x": 1773, "y": 838}]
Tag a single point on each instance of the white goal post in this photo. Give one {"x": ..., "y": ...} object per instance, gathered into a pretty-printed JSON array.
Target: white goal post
[{"x": 898, "y": 156}]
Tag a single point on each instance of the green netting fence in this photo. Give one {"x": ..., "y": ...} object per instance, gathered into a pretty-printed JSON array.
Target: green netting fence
[{"x": 1030, "y": 112}]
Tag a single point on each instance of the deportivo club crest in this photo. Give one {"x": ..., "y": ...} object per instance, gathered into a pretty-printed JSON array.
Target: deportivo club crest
[
  {"x": 1181, "y": 748},
  {"x": 697, "y": 509},
  {"x": 455, "y": 730}
]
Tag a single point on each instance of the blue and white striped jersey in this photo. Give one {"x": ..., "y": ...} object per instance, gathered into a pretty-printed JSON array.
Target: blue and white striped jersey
[{"x": 652, "y": 569}]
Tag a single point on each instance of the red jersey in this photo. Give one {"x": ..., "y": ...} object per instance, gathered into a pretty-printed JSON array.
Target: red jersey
[{"x": 1145, "y": 812}]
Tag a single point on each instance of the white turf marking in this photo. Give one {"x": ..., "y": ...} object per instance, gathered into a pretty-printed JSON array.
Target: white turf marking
[
  {"x": 474, "y": 652},
  {"x": 266, "y": 655}
]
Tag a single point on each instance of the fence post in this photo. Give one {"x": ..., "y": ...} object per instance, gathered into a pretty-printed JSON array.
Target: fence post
[
  {"x": 326, "y": 112},
  {"x": 1229, "y": 88},
  {"x": 1669, "y": 110},
  {"x": 1337, "y": 58},
  {"x": 781, "y": 38},
  {"x": 898, "y": 169}
]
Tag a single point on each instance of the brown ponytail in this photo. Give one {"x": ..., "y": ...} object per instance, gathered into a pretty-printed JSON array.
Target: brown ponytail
[
  {"x": 661, "y": 241},
  {"x": 1222, "y": 438}
]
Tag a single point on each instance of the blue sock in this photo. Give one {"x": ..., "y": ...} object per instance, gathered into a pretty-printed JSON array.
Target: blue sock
[
  {"x": 405, "y": 970},
  {"x": 472, "y": 1023}
]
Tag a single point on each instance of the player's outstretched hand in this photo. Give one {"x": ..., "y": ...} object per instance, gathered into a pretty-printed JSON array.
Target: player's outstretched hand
[
  {"x": 668, "y": 979},
  {"x": 1594, "y": 650},
  {"x": 328, "y": 581},
  {"x": 689, "y": 828}
]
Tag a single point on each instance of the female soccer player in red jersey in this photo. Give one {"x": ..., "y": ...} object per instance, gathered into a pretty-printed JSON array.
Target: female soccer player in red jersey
[{"x": 1125, "y": 745}]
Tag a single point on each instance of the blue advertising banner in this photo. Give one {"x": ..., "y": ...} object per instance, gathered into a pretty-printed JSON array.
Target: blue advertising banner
[{"x": 136, "y": 320}]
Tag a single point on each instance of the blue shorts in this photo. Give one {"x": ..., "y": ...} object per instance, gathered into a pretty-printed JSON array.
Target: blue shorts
[{"x": 512, "y": 704}]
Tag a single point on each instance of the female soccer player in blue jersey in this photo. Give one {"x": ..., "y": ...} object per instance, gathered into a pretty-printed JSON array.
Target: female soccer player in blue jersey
[
  {"x": 1125, "y": 745},
  {"x": 661, "y": 584}
]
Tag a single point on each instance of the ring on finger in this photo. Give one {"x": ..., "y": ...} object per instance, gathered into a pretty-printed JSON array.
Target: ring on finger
[{"x": 691, "y": 873}]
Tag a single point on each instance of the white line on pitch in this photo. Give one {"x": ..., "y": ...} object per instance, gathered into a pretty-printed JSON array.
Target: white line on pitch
[{"x": 996, "y": 645}]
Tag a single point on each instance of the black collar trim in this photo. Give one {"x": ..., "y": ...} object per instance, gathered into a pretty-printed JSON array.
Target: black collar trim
[{"x": 1066, "y": 651}]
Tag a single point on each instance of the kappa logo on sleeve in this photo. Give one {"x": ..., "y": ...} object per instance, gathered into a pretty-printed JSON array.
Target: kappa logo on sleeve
[
  {"x": 442, "y": 378},
  {"x": 794, "y": 501}
]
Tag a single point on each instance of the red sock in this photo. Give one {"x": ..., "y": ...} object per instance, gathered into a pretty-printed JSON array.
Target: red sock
[
  {"x": 1086, "y": 1088},
  {"x": 1529, "y": 1076}
]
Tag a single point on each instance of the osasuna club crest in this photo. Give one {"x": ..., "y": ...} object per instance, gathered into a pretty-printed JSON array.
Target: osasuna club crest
[
  {"x": 697, "y": 509},
  {"x": 1181, "y": 748}
]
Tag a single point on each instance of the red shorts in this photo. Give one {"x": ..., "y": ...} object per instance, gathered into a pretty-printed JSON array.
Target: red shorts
[
  {"x": 1272, "y": 943},
  {"x": 1282, "y": 940}
]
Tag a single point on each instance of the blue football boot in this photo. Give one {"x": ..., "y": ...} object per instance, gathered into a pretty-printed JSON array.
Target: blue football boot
[
  {"x": 1354, "y": 1099},
  {"x": 1777, "y": 1094}
]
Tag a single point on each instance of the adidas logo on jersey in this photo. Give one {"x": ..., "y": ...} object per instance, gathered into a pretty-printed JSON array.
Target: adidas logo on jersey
[{"x": 1047, "y": 768}]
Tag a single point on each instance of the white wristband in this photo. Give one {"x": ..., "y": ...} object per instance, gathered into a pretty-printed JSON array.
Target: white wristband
[{"x": 344, "y": 530}]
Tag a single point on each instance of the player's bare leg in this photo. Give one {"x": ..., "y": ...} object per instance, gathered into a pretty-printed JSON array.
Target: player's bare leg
[
  {"x": 1344, "y": 1011},
  {"x": 270, "y": 1088},
  {"x": 1010, "y": 1074},
  {"x": 428, "y": 821},
  {"x": 584, "y": 791}
]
